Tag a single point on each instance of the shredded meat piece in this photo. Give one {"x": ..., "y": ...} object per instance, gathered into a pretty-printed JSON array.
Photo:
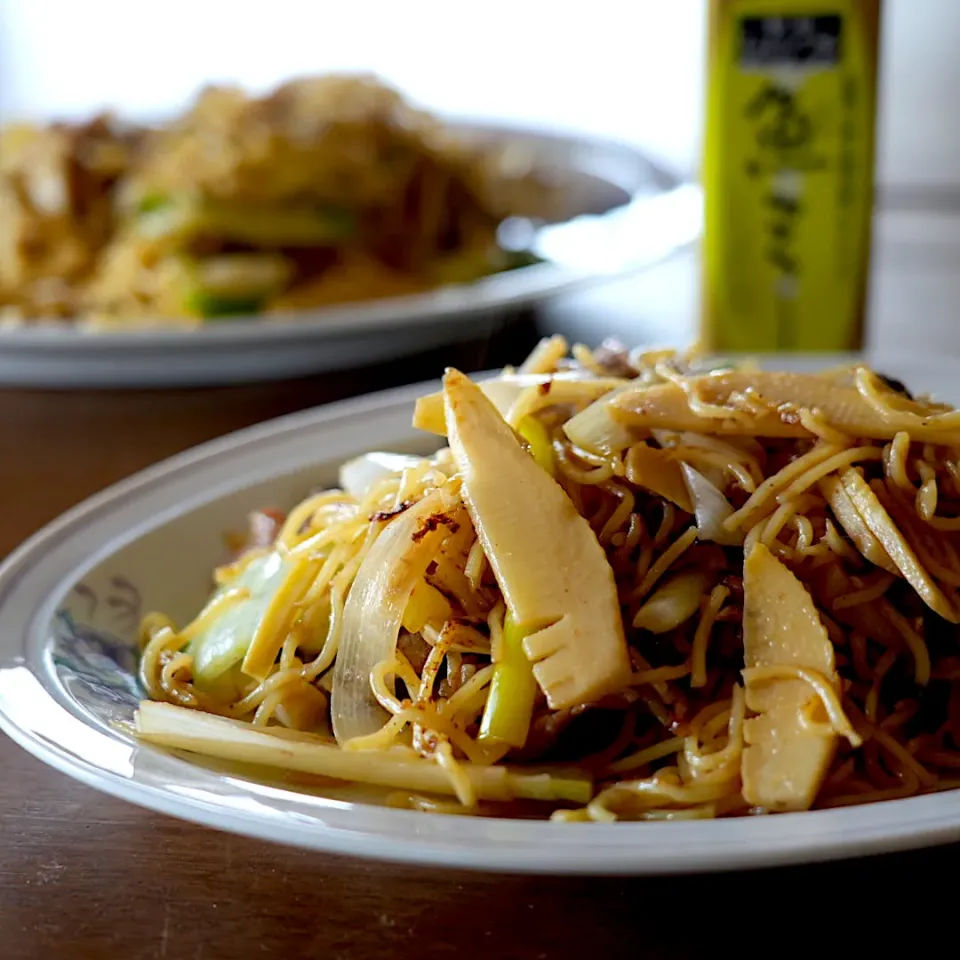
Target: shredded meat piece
[
  {"x": 434, "y": 522},
  {"x": 735, "y": 585},
  {"x": 264, "y": 526},
  {"x": 381, "y": 516},
  {"x": 895, "y": 385},
  {"x": 614, "y": 358},
  {"x": 549, "y": 726},
  {"x": 414, "y": 648},
  {"x": 262, "y": 529},
  {"x": 546, "y": 729}
]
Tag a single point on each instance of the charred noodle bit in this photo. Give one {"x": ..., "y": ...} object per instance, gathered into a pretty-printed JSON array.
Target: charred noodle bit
[{"x": 627, "y": 590}]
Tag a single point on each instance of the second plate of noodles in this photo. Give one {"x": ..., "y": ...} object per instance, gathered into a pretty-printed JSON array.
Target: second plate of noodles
[
  {"x": 327, "y": 190},
  {"x": 326, "y": 225},
  {"x": 628, "y": 586}
]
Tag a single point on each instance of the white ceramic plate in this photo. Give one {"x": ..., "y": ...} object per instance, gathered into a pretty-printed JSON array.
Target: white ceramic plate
[
  {"x": 71, "y": 597},
  {"x": 621, "y": 213}
]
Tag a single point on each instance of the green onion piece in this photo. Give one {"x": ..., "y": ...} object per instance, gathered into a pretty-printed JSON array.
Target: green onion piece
[
  {"x": 534, "y": 432},
  {"x": 465, "y": 266},
  {"x": 550, "y": 787},
  {"x": 513, "y": 691},
  {"x": 151, "y": 202},
  {"x": 211, "y": 307},
  {"x": 517, "y": 259},
  {"x": 222, "y": 644},
  {"x": 177, "y": 219}
]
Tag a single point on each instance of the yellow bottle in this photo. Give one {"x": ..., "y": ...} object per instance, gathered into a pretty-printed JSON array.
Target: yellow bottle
[{"x": 788, "y": 173}]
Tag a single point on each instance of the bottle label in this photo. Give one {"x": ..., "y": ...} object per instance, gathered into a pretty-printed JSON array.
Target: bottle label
[{"x": 788, "y": 173}]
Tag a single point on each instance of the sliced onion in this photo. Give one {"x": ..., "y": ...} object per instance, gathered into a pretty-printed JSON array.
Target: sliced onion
[
  {"x": 375, "y": 605},
  {"x": 673, "y": 604},
  {"x": 671, "y": 438},
  {"x": 596, "y": 430},
  {"x": 429, "y": 413},
  {"x": 359, "y": 474},
  {"x": 504, "y": 391},
  {"x": 711, "y": 508}
]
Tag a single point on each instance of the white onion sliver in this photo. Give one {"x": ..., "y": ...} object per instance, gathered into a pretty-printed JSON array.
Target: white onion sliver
[
  {"x": 502, "y": 393},
  {"x": 711, "y": 508},
  {"x": 596, "y": 430},
  {"x": 358, "y": 475},
  {"x": 374, "y": 610}
]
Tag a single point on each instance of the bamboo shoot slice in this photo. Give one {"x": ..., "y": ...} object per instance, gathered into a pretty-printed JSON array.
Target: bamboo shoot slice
[
  {"x": 769, "y": 404},
  {"x": 553, "y": 573},
  {"x": 854, "y": 525},
  {"x": 785, "y": 759},
  {"x": 882, "y": 526}
]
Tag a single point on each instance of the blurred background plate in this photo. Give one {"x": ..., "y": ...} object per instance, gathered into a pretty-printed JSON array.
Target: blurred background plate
[{"x": 621, "y": 213}]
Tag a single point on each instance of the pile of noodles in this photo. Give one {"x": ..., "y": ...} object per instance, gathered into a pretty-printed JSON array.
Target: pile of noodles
[
  {"x": 670, "y": 744},
  {"x": 325, "y": 190}
]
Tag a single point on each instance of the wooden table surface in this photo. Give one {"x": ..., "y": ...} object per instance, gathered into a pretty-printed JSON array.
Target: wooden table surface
[{"x": 83, "y": 875}]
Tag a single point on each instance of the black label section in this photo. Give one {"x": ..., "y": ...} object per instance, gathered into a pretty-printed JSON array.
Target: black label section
[{"x": 774, "y": 41}]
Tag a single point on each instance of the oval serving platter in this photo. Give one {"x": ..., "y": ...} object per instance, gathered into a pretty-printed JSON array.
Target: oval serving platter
[
  {"x": 621, "y": 213},
  {"x": 71, "y": 598}
]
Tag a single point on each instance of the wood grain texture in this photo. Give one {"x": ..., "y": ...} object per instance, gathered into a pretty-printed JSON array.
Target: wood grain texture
[{"x": 86, "y": 877}]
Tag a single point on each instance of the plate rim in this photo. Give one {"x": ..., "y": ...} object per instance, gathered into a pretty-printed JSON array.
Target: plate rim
[
  {"x": 411, "y": 310},
  {"x": 580, "y": 849}
]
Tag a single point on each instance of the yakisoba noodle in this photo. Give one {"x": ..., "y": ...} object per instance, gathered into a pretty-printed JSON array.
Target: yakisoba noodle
[{"x": 707, "y": 491}]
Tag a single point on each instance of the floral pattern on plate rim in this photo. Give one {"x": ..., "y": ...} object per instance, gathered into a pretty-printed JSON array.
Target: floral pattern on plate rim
[{"x": 94, "y": 664}]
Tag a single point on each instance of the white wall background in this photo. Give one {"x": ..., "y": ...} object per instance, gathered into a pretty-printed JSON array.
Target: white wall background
[{"x": 628, "y": 68}]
